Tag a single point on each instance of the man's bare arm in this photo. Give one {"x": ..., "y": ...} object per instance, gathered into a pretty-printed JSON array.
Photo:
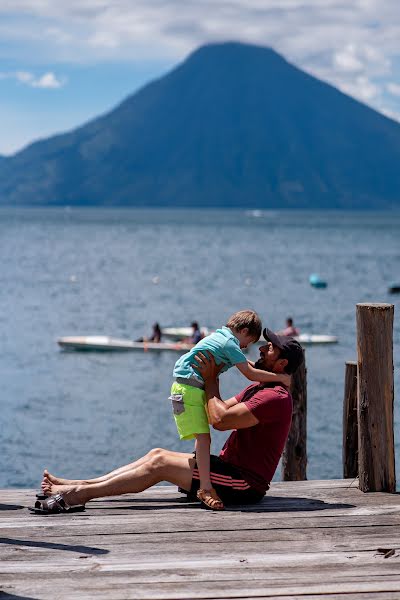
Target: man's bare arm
[{"x": 222, "y": 415}]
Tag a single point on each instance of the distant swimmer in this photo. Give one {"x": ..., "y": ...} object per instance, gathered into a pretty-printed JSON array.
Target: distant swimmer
[{"x": 290, "y": 329}]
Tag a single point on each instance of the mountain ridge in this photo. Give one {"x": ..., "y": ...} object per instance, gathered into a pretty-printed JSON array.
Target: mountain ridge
[{"x": 232, "y": 125}]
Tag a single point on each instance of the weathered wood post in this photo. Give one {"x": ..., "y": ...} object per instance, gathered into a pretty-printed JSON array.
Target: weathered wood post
[
  {"x": 350, "y": 422},
  {"x": 294, "y": 458},
  {"x": 376, "y": 463}
]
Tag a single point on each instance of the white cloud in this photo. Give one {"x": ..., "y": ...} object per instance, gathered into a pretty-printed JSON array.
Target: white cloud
[
  {"x": 346, "y": 60},
  {"x": 362, "y": 88},
  {"x": 392, "y": 114},
  {"x": 393, "y": 88},
  {"x": 352, "y": 44},
  {"x": 175, "y": 27},
  {"x": 23, "y": 77},
  {"x": 47, "y": 80},
  {"x": 361, "y": 58}
]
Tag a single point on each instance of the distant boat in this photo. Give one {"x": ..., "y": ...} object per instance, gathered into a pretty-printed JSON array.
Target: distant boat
[
  {"x": 105, "y": 343},
  {"x": 311, "y": 338},
  {"x": 180, "y": 333},
  {"x": 308, "y": 339},
  {"x": 394, "y": 288},
  {"x": 254, "y": 213},
  {"x": 317, "y": 282}
]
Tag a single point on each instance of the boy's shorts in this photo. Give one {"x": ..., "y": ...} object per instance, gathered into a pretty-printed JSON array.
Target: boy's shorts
[{"x": 189, "y": 408}]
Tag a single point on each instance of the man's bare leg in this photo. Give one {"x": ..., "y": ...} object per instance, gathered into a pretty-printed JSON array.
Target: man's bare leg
[
  {"x": 61, "y": 481},
  {"x": 162, "y": 465}
]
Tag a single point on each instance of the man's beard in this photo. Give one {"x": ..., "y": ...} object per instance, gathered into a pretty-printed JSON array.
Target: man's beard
[{"x": 260, "y": 365}]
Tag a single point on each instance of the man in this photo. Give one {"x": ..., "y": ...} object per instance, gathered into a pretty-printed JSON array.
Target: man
[{"x": 260, "y": 417}]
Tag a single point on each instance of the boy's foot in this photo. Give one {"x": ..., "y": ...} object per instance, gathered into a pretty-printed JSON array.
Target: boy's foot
[{"x": 210, "y": 499}]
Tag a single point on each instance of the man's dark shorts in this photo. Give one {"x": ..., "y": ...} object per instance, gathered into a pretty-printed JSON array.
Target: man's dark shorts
[{"x": 228, "y": 482}]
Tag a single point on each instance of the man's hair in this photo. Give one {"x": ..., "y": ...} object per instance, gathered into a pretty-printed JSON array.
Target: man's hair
[{"x": 246, "y": 319}]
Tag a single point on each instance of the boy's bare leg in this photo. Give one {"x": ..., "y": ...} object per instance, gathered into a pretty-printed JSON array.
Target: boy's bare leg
[
  {"x": 206, "y": 493},
  {"x": 162, "y": 465},
  {"x": 203, "y": 444},
  {"x": 61, "y": 481}
]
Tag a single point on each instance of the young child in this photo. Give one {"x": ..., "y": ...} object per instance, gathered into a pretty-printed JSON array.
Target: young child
[{"x": 188, "y": 396}]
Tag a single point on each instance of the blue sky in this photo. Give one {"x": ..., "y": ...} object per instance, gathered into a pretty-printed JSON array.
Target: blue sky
[{"x": 64, "y": 63}]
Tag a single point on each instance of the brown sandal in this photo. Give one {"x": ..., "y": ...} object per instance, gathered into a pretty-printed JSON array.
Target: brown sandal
[{"x": 210, "y": 499}]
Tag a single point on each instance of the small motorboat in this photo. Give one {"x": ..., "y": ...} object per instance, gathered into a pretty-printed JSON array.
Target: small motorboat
[{"x": 105, "y": 343}]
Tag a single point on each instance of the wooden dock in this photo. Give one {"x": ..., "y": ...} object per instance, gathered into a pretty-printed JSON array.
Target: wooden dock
[{"x": 308, "y": 540}]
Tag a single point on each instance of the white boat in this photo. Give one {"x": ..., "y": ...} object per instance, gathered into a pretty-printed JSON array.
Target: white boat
[
  {"x": 103, "y": 342},
  {"x": 180, "y": 333},
  {"x": 308, "y": 339}
]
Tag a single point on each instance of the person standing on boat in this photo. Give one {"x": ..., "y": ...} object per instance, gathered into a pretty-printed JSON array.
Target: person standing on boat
[
  {"x": 260, "y": 417},
  {"x": 290, "y": 329},
  {"x": 188, "y": 396}
]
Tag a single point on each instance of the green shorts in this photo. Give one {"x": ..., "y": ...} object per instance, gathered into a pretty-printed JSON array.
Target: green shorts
[{"x": 189, "y": 408}]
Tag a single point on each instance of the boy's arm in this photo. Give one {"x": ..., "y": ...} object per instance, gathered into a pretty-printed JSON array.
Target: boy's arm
[
  {"x": 263, "y": 376},
  {"x": 222, "y": 415},
  {"x": 230, "y": 402}
]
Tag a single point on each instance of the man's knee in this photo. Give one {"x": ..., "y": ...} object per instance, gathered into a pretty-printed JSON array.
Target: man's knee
[{"x": 158, "y": 458}]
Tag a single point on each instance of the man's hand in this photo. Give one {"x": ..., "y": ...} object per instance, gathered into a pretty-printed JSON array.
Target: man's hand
[
  {"x": 222, "y": 415},
  {"x": 207, "y": 367}
]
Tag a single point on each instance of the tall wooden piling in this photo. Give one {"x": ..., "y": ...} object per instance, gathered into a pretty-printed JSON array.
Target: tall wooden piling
[
  {"x": 350, "y": 423},
  {"x": 375, "y": 397},
  {"x": 294, "y": 458}
]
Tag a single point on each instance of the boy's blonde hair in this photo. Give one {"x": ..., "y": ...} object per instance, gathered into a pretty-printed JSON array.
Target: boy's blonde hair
[{"x": 246, "y": 319}]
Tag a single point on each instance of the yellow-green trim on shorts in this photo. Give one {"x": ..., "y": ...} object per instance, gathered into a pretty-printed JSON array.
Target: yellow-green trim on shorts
[{"x": 192, "y": 417}]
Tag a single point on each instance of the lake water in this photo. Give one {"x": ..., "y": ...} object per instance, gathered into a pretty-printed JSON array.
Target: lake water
[{"x": 115, "y": 272}]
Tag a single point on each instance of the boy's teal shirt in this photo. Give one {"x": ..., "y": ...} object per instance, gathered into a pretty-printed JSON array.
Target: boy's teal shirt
[{"x": 222, "y": 344}]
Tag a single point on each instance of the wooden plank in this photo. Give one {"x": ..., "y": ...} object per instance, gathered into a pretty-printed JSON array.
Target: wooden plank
[
  {"x": 121, "y": 524},
  {"x": 335, "y": 563},
  {"x": 124, "y": 586}
]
